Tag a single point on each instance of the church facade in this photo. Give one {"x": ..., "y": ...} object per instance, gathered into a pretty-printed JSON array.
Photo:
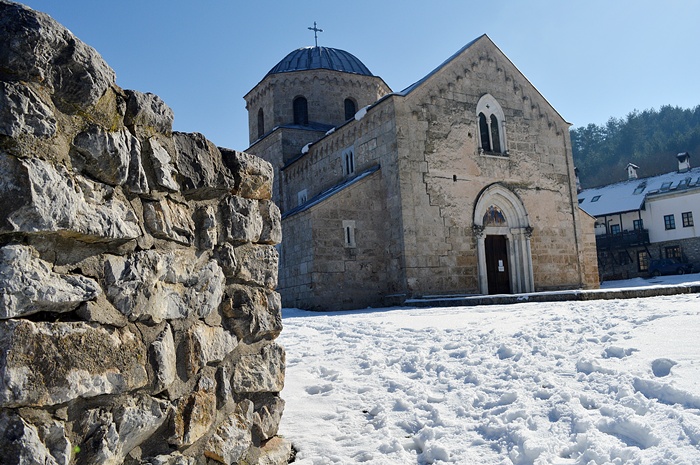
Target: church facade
[{"x": 462, "y": 183}]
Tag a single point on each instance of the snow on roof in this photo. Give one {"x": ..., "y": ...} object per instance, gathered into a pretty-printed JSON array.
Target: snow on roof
[{"x": 629, "y": 195}]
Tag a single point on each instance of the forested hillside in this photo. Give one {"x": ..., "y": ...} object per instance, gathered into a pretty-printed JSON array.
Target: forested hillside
[{"x": 650, "y": 139}]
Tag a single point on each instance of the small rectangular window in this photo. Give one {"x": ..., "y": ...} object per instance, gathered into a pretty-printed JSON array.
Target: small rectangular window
[
  {"x": 673, "y": 251},
  {"x": 643, "y": 260},
  {"x": 614, "y": 229},
  {"x": 349, "y": 233},
  {"x": 669, "y": 222},
  {"x": 666, "y": 186},
  {"x": 687, "y": 219},
  {"x": 302, "y": 197},
  {"x": 638, "y": 225}
]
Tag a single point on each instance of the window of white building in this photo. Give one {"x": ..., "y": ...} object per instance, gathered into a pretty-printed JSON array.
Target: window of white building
[
  {"x": 687, "y": 219},
  {"x": 669, "y": 222}
]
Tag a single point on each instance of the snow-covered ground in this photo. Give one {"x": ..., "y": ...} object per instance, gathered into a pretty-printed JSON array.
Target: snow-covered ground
[{"x": 597, "y": 382}]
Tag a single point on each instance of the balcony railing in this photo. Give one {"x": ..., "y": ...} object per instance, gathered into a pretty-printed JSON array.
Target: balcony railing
[{"x": 622, "y": 240}]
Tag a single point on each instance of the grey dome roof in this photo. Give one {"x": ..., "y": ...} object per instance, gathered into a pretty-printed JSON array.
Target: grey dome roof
[{"x": 307, "y": 58}]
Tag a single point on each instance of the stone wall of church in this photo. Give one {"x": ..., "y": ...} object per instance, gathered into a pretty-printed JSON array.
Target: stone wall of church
[
  {"x": 589, "y": 252},
  {"x": 138, "y": 268},
  {"x": 443, "y": 174},
  {"x": 326, "y": 272},
  {"x": 373, "y": 204}
]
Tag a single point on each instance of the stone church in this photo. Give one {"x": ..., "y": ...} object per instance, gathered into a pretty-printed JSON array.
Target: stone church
[{"x": 463, "y": 183}]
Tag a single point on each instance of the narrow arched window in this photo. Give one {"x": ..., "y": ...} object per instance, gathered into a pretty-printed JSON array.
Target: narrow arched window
[
  {"x": 261, "y": 123},
  {"x": 484, "y": 133},
  {"x": 301, "y": 111},
  {"x": 491, "y": 121},
  {"x": 350, "y": 109},
  {"x": 495, "y": 134}
]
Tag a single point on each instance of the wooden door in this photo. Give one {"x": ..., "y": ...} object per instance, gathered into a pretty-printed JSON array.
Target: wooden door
[{"x": 497, "y": 264}]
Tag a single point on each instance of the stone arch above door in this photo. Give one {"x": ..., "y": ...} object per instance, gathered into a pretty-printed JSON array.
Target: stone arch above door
[
  {"x": 506, "y": 200},
  {"x": 498, "y": 211}
]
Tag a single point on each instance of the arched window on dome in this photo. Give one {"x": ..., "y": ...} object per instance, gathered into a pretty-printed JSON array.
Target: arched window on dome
[
  {"x": 350, "y": 108},
  {"x": 261, "y": 123},
  {"x": 492, "y": 136},
  {"x": 301, "y": 111}
]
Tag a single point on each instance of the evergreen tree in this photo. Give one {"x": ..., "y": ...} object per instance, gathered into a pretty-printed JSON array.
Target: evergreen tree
[{"x": 650, "y": 139}]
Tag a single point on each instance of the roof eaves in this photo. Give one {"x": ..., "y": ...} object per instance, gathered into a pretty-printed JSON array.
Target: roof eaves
[
  {"x": 330, "y": 192},
  {"x": 413, "y": 86}
]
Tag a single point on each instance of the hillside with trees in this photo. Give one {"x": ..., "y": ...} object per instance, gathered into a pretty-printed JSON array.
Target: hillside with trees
[{"x": 650, "y": 139}]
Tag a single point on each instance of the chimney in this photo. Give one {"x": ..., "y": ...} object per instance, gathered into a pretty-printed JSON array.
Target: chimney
[
  {"x": 683, "y": 162},
  {"x": 632, "y": 171}
]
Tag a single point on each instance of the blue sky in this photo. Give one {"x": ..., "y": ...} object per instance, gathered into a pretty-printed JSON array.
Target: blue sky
[{"x": 592, "y": 59}]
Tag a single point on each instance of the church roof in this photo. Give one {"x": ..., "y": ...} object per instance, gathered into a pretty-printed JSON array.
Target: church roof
[{"x": 307, "y": 58}]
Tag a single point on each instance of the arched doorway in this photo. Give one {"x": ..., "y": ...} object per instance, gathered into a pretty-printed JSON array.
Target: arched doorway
[{"x": 503, "y": 232}]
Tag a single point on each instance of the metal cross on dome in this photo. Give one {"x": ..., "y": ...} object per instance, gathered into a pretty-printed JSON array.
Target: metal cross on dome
[{"x": 316, "y": 31}]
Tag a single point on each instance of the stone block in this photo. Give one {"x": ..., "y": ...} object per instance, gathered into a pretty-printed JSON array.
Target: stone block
[
  {"x": 253, "y": 175},
  {"x": 252, "y": 314},
  {"x": 23, "y": 112},
  {"x": 163, "y": 285},
  {"x": 164, "y": 360},
  {"x": 51, "y": 55},
  {"x": 272, "y": 223},
  {"x": 25, "y": 443},
  {"x": 28, "y": 285},
  {"x": 36, "y": 196},
  {"x": 105, "y": 155},
  {"x": 206, "y": 345},
  {"x": 276, "y": 451},
  {"x": 52, "y": 363},
  {"x": 169, "y": 220},
  {"x": 261, "y": 369},
  {"x": 268, "y": 414},
  {"x": 147, "y": 113},
  {"x": 232, "y": 438},
  {"x": 208, "y": 234},
  {"x": 162, "y": 164},
  {"x": 241, "y": 220},
  {"x": 202, "y": 172},
  {"x": 110, "y": 434},
  {"x": 257, "y": 264},
  {"x": 194, "y": 415}
]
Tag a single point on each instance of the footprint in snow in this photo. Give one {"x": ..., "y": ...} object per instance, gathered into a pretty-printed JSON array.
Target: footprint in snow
[
  {"x": 662, "y": 367},
  {"x": 617, "y": 352},
  {"x": 316, "y": 389},
  {"x": 632, "y": 433},
  {"x": 506, "y": 352}
]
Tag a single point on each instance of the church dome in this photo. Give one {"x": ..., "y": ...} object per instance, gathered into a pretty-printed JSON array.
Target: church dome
[{"x": 307, "y": 58}]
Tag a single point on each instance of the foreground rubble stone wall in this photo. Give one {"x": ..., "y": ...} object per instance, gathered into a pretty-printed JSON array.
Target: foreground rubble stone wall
[{"x": 138, "y": 314}]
